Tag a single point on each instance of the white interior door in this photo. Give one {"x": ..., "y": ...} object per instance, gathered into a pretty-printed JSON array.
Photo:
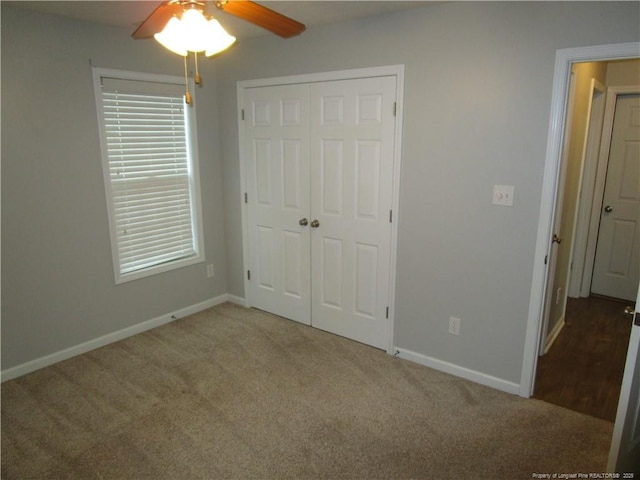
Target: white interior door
[
  {"x": 352, "y": 139},
  {"x": 554, "y": 300},
  {"x": 276, "y": 157},
  {"x": 624, "y": 455},
  {"x": 616, "y": 270},
  {"x": 319, "y": 173},
  {"x": 583, "y": 249}
]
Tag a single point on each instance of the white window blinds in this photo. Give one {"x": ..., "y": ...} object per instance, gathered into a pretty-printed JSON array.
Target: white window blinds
[{"x": 145, "y": 136}]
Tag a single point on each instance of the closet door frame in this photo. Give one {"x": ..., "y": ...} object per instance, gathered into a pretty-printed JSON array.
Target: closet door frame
[{"x": 396, "y": 71}]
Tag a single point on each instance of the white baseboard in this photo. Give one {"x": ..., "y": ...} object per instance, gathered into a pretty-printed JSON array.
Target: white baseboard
[
  {"x": 467, "y": 374},
  {"x": 56, "y": 357},
  {"x": 553, "y": 334},
  {"x": 237, "y": 300}
]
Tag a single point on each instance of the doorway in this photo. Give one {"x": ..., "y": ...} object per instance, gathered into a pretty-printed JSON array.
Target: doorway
[
  {"x": 565, "y": 59},
  {"x": 581, "y": 218},
  {"x": 580, "y": 223}
]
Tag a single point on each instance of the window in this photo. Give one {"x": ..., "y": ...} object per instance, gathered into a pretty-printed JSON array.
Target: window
[{"x": 150, "y": 169}]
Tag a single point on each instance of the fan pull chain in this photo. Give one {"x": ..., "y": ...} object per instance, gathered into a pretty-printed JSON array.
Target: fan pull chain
[
  {"x": 187, "y": 95},
  {"x": 196, "y": 77}
]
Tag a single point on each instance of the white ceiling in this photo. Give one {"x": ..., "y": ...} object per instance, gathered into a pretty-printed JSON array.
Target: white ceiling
[{"x": 130, "y": 14}]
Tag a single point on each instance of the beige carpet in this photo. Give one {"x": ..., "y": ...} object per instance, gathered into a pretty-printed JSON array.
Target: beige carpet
[{"x": 237, "y": 393}]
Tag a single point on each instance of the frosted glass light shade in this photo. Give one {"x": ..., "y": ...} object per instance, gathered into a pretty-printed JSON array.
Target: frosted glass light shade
[
  {"x": 172, "y": 38},
  {"x": 217, "y": 38},
  {"x": 194, "y": 33}
]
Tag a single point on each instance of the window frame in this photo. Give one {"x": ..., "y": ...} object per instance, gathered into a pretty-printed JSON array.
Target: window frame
[{"x": 193, "y": 174}]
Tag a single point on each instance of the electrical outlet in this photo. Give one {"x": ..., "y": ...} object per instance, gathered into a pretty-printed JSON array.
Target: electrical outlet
[
  {"x": 454, "y": 326},
  {"x": 210, "y": 271}
]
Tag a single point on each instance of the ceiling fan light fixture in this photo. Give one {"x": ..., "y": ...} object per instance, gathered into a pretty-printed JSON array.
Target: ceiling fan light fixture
[
  {"x": 172, "y": 37},
  {"x": 194, "y": 33},
  {"x": 217, "y": 38}
]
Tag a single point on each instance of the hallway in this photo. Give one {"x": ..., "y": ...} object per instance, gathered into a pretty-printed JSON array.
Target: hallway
[{"x": 583, "y": 369}]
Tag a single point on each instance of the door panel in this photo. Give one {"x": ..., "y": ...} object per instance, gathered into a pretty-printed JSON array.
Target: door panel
[
  {"x": 331, "y": 176},
  {"x": 262, "y": 156},
  {"x": 291, "y": 181},
  {"x": 366, "y": 280},
  {"x": 265, "y": 257},
  {"x": 331, "y": 273},
  {"x": 277, "y": 199},
  {"x": 292, "y": 246},
  {"x": 617, "y": 263},
  {"x": 368, "y": 160},
  {"x": 353, "y": 134}
]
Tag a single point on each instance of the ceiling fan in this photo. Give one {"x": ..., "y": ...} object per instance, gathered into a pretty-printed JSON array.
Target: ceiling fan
[
  {"x": 183, "y": 26},
  {"x": 245, "y": 9}
]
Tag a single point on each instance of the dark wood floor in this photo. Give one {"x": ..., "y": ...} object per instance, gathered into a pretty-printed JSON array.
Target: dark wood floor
[{"x": 583, "y": 369}]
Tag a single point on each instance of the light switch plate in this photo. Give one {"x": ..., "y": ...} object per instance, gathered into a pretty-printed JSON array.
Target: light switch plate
[{"x": 503, "y": 195}]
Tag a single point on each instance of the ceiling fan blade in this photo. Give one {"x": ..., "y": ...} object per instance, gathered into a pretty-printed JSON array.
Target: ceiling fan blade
[
  {"x": 263, "y": 17},
  {"x": 157, "y": 20}
]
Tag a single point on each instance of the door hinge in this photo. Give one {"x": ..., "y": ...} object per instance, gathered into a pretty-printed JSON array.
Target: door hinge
[
  {"x": 546, "y": 258},
  {"x": 636, "y": 318},
  {"x": 395, "y": 106},
  {"x": 387, "y": 312},
  {"x": 248, "y": 274},
  {"x": 246, "y": 198},
  {"x": 390, "y": 216},
  {"x": 242, "y": 114}
]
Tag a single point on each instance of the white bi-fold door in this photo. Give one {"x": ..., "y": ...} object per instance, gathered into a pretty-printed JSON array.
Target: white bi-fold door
[
  {"x": 319, "y": 168},
  {"x": 275, "y": 151}
]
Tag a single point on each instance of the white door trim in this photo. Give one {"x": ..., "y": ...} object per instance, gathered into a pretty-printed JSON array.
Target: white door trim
[
  {"x": 546, "y": 337},
  {"x": 564, "y": 59},
  {"x": 389, "y": 70}
]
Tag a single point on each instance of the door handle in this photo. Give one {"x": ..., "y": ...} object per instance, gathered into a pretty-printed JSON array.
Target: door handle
[
  {"x": 556, "y": 238},
  {"x": 315, "y": 224},
  {"x": 608, "y": 209},
  {"x": 635, "y": 316},
  {"x": 303, "y": 222}
]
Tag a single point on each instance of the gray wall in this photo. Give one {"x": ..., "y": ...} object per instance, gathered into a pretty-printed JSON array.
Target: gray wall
[
  {"x": 477, "y": 103},
  {"x": 57, "y": 276}
]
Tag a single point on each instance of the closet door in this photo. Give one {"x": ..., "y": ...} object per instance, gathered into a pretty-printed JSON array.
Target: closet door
[
  {"x": 276, "y": 145},
  {"x": 351, "y": 149}
]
